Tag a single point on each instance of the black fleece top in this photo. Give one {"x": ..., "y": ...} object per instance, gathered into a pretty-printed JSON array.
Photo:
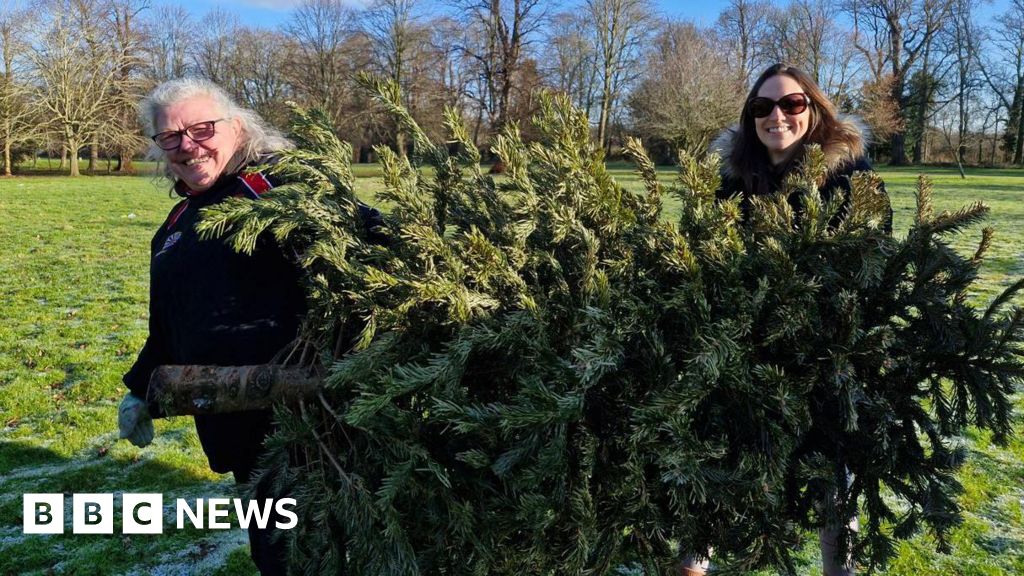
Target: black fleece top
[{"x": 211, "y": 305}]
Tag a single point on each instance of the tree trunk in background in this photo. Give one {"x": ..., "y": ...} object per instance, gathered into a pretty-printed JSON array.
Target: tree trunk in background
[
  {"x": 73, "y": 147},
  {"x": 1018, "y": 150},
  {"x": 400, "y": 146},
  {"x": 1011, "y": 144},
  {"x": 924, "y": 97},
  {"x": 602, "y": 122},
  {"x": 899, "y": 155},
  {"x": 7, "y": 149},
  {"x": 125, "y": 163},
  {"x": 94, "y": 157}
]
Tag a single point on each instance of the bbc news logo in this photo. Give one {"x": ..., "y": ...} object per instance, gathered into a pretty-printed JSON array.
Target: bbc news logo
[{"x": 144, "y": 513}]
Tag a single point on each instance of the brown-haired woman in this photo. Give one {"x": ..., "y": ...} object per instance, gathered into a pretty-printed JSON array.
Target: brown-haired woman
[{"x": 783, "y": 113}]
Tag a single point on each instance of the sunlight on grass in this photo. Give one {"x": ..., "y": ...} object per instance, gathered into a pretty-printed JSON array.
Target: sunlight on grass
[{"x": 74, "y": 286}]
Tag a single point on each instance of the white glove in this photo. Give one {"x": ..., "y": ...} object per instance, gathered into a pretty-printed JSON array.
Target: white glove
[{"x": 134, "y": 421}]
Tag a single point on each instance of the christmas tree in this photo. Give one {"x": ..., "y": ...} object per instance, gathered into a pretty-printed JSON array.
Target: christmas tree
[{"x": 543, "y": 374}]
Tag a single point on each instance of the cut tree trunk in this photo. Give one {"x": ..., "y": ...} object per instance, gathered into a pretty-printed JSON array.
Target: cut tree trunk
[{"x": 181, "y": 390}]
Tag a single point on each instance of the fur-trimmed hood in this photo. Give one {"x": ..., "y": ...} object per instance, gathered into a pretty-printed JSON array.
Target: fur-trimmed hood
[{"x": 846, "y": 146}]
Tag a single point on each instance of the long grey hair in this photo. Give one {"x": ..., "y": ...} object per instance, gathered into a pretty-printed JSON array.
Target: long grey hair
[{"x": 259, "y": 138}]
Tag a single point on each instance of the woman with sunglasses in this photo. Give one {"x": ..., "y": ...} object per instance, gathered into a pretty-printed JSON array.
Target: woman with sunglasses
[
  {"x": 209, "y": 304},
  {"x": 785, "y": 111}
]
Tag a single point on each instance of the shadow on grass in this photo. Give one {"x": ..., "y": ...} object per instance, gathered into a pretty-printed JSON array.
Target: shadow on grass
[
  {"x": 25, "y": 468},
  {"x": 16, "y": 455}
]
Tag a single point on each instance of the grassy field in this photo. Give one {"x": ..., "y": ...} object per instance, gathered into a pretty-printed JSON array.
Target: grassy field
[{"x": 73, "y": 286}]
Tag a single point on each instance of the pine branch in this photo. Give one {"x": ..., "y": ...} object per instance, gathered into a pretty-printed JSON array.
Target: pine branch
[{"x": 538, "y": 374}]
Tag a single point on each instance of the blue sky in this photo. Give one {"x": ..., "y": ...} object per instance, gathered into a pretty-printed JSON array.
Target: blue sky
[{"x": 271, "y": 13}]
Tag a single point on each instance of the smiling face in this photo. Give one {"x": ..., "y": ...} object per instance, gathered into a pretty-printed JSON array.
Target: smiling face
[
  {"x": 199, "y": 164},
  {"x": 781, "y": 133}
]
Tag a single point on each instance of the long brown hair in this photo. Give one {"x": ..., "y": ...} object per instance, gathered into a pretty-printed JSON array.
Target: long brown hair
[{"x": 757, "y": 171}]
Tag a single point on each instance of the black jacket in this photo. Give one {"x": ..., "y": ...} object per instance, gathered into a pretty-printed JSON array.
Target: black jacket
[
  {"x": 837, "y": 179},
  {"x": 843, "y": 157},
  {"x": 214, "y": 306}
]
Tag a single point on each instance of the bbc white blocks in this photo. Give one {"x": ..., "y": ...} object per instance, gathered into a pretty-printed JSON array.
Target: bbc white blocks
[
  {"x": 92, "y": 513},
  {"x": 43, "y": 514},
  {"x": 142, "y": 513}
]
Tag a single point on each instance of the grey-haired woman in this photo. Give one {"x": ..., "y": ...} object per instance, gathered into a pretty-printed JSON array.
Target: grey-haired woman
[{"x": 208, "y": 303}]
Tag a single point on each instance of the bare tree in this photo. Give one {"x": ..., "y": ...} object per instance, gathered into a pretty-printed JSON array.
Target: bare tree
[
  {"x": 453, "y": 66},
  {"x": 89, "y": 19},
  {"x": 168, "y": 33},
  {"x": 124, "y": 17},
  {"x": 569, "y": 59},
  {"x": 215, "y": 47},
  {"x": 893, "y": 36},
  {"x": 806, "y": 34},
  {"x": 393, "y": 26},
  {"x": 323, "y": 32},
  {"x": 259, "y": 64},
  {"x": 741, "y": 27},
  {"x": 688, "y": 92},
  {"x": 76, "y": 80},
  {"x": 398, "y": 37},
  {"x": 18, "y": 124},
  {"x": 429, "y": 87},
  {"x": 441, "y": 73},
  {"x": 621, "y": 27},
  {"x": 993, "y": 109},
  {"x": 497, "y": 33},
  {"x": 962, "y": 40},
  {"x": 1003, "y": 72},
  {"x": 878, "y": 109}
]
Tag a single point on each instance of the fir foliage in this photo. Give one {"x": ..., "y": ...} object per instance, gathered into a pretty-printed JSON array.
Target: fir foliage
[{"x": 540, "y": 374}]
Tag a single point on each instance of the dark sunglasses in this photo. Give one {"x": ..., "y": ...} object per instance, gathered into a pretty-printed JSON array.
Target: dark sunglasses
[
  {"x": 791, "y": 104},
  {"x": 171, "y": 139}
]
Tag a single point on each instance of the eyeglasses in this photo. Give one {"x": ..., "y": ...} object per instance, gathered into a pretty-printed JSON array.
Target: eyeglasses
[
  {"x": 791, "y": 104},
  {"x": 198, "y": 132}
]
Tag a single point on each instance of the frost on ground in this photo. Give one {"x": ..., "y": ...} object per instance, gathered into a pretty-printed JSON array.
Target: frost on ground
[
  {"x": 198, "y": 558},
  {"x": 10, "y": 536}
]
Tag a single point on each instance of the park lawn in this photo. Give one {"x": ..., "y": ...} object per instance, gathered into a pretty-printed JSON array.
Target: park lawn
[{"x": 73, "y": 283}]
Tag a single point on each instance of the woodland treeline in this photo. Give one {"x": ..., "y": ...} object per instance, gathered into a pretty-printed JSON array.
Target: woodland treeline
[{"x": 934, "y": 80}]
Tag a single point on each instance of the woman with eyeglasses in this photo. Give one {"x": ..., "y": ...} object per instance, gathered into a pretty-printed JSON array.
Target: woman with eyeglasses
[
  {"x": 210, "y": 305},
  {"x": 783, "y": 113}
]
